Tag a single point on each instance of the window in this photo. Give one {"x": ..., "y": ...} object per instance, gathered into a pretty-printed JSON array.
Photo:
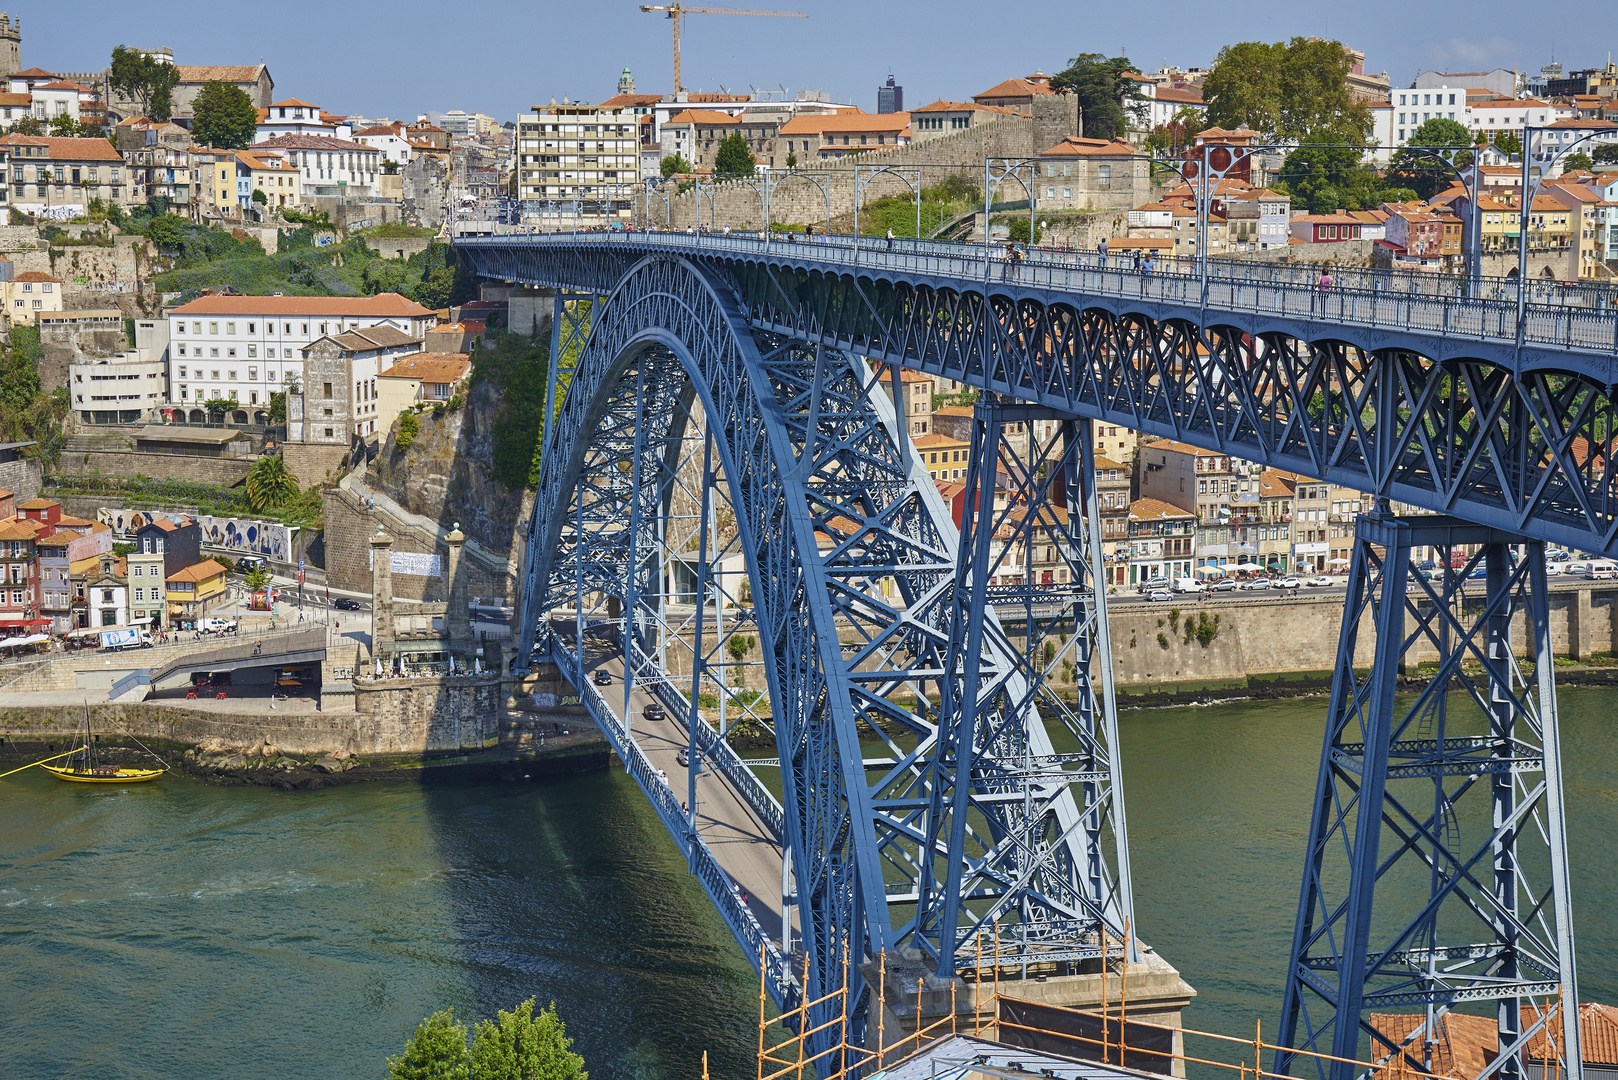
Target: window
[
  {"x": 196, "y": 328},
  {"x": 182, "y": 366},
  {"x": 230, "y": 328},
  {"x": 252, "y": 350},
  {"x": 214, "y": 353},
  {"x": 213, "y": 328}
]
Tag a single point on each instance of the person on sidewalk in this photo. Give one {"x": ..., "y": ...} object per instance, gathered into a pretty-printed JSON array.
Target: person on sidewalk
[{"x": 890, "y": 239}]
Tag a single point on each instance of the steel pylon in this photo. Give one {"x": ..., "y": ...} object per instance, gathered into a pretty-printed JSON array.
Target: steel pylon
[{"x": 1436, "y": 878}]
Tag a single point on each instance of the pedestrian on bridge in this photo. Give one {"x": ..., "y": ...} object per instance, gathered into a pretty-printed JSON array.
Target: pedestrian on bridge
[
  {"x": 1101, "y": 249},
  {"x": 1325, "y": 282},
  {"x": 890, "y": 239}
]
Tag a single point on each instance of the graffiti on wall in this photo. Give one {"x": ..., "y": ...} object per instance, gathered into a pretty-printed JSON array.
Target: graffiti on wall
[{"x": 246, "y": 535}]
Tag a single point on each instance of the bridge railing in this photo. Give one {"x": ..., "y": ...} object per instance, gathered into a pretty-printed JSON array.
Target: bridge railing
[
  {"x": 717, "y": 754},
  {"x": 1583, "y": 316},
  {"x": 719, "y": 885}
]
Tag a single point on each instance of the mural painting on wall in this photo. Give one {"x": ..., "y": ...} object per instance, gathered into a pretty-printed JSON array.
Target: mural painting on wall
[{"x": 247, "y": 535}]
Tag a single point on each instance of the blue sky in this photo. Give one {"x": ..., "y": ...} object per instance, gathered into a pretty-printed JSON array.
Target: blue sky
[{"x": 500, "y": 57}]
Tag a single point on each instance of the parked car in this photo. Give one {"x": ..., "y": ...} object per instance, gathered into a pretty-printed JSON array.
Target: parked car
[
  {"x": 1479, "y": 574},
  {"x": 1159, "y": 595},
  {"x": 1256, "y": 585},
  {"x": 1576, "y": 568},
  {"x": 654, "y": 711},
  {"x": 1427, "y": 565},
  {"x": 601, "y": 677},
  {"x": 1553, "y": 569},
  {"x": 217, "y": 626},
  {"x": 684, "y": 757},
  {"x": 1286, "y": 583},
  {"x": 1320, "y": 582},
  {"x": 343, "y": 603},
  {"x": 1225, "y": 585}
]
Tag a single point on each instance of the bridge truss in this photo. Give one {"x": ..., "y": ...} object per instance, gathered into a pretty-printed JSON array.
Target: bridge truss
[{"x": 881, "y": 626}]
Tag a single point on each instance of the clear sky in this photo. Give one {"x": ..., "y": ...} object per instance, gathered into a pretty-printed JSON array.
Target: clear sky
[{"x": 500, "y": 57}]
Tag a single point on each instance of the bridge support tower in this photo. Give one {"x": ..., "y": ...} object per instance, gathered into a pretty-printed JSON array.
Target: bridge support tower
[{"x": 1436, "y": 880}]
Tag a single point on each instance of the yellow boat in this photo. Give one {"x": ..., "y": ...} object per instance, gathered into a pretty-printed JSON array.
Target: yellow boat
[{"x": 103, "y": 774}]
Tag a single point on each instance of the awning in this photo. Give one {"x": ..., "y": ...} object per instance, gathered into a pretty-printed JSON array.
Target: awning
[
  {"x": 20, "y": 623},
  {"x": 31, "y": 639},
  {"x": 1211, "y": 571},
  {"x": 1338, "y": 562}
]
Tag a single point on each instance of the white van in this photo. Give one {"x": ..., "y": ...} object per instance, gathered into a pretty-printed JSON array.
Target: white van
[
  {"x": 1187, "y": 585},
  {"x": 1601, "y": 571}
]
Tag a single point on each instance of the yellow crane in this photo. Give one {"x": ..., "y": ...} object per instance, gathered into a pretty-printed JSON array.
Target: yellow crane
[{"x": 677, "y": 12}]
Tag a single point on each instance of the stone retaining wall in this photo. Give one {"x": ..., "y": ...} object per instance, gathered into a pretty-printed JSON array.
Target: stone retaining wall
[{"x": 223, "y": 471}]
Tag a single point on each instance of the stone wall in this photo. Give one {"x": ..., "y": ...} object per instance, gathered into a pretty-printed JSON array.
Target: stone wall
[
  {"x": 224, "y": 471},
  {"x": 313, "y": 463},
  {"x": 19, "y": 238},
  {"x": 402, "y": 247},
  {"x": 104, "y": 276},
  {"x": 64, "y": 346},
  {"x": 450, "y": 712},
  {"x": 22, "y": 478},
  {"x": 425, "y": 182}
]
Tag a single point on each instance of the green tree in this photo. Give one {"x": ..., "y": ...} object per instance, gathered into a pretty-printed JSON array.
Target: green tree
[
  {"x": 1577, "y": 161},
  {"x": 735, "y": 157},
  {"x": 409, "y": 428},
  {"x": 145, "y": 80},
  {"x": 269, "y": 483},
  {"x": 519, "y": 1045},
  {"x": 1323, "y": 178},
  {"x": 260, "y": 198},
  {"x": 28, "y": 125},
  {"x": 435, "y": 1051},
  {"x": 278, "y": 407},
  {"x": 1108, "y": 102},
  {"x": 1244, "y": 87},
  {"x": 257, "y": 578},
  {"x": 1424, "y": 171},
  {"x": 224, "y": 117},
  {"x": 673, "y": 164},
  {"x": 166, "y": 230},
  {"x": 65, "y": 127},
  {"x": 1288, "y": 90},
  {"x": 792, "y": 159},
  {"x": 1604, "y": 155},
  {"x": 1507, "y": 143}
]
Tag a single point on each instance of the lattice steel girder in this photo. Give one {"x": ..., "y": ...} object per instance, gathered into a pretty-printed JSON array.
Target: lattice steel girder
[
  {"x": 1484, "y": 732},
  {"x": 1054, "y": 854},
  {"x": 853, "y": 556}
]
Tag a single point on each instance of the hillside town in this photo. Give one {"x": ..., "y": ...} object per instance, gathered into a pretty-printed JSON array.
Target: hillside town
[{"x": 116, "y": 175}]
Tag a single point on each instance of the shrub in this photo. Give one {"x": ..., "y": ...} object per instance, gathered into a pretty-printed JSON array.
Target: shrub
[
  {"x": 409, "y": 427},
  {"x": 1162, "y": 640}
]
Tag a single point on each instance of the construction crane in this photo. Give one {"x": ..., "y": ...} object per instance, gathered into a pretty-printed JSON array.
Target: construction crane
[{"x": 677, "y": 11}]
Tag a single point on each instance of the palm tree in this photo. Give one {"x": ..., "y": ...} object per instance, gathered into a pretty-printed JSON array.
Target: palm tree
[{"x": 269, "y": 483}]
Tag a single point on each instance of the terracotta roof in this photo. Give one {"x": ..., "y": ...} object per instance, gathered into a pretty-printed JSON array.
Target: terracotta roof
[
  {"x": 201, "y": 73},
  {"x": 312, "y": 142},
  {"x": 38, "y": 504},
  {"x": 382, "y": 305},
  {"x": 624, "y": 101},
  {"x": 64, "y": 84},
  {"x": 1108, "y": 463},
  {"x": 373, "y": 337},
  {"x": 200, "y": 572},
  {"x": 36, "y": 275},
  {"x": 1014, "y": 88},
  {"x": 965, "y": 106},
  {"x": 60, "y": 538},
  {"x": 705, "y": 116},
  {"x": 377, "y": 129},
  {"x": 430, "y": 368},
  {"x": 293, "y": 103},
  {"x": 1175, "y": 93},
  {"x": 846, "y": 123},
  {"x": 34, "y": 73},
  {"x": 955, "y": 410},
  {"x": 67, "y": 149},
  {"x": 1155, "y": 509},
  {"x": 937, "y": 442},
  {"x": 18, "y": 529},
  {"x": 1074, "y": 146},
  {"x": 16, "y": 99}
]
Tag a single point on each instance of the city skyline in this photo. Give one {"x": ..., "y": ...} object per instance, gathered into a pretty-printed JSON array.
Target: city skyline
[{"x": 843, "y": 48}]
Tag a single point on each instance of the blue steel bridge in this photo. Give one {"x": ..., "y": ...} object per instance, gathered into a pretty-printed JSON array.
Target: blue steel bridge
[{"x": 725, "y": 460}]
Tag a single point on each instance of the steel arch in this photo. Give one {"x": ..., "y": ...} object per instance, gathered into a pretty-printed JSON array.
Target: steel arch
[{"x": 853, "y": 557}]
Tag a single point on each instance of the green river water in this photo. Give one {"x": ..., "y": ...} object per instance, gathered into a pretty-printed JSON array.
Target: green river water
[{"x": 177, "y": 931}]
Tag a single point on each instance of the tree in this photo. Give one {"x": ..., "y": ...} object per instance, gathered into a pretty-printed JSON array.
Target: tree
[
  {"x": 257, "y": 578},
  {"x": 28, "y": 125},
  {"x": 1508, "y": 144},
  {"x": 435, "y": 1051},
  {"x": 674, "y": 164},
  {"x": 1577, "y": 161},
  {"x": 1244, "y": 87},
  {"x": 1604, "y": 155},
  {"x": 735, "y": 157},
  {"x": 518, "y": 1045},
  {"x": 260, "y": 198},
  {"x": 1288, "y": 91},
  {"x": 269, "y": 483},
  {"x": 145, "y": 80},
  {"x": 1425, "y": 172},
  {"x": 278, "y": 407},
  {"x": 65, "y": 127},
  {"x": 224, "y": 117},
  {"x": 1324, "y": 178},
  {"x": 1107, "y": 101},
  {"x": 166, "y": 230},
  {"x": 792, "y": 159}
]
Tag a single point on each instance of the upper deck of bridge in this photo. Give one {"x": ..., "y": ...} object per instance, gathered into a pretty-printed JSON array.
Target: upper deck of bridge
[{"x": 1577, "y": 321}]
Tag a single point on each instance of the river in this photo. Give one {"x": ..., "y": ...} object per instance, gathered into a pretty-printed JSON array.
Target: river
[{"x": 177, "y": 931}]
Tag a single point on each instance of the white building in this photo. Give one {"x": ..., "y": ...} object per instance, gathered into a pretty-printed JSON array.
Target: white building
[
  {"x": 117, "y": 390},
  {"x": 329, "y": 167},
  {"x": 586, "y": 152},
  {"x": 1484, "y": 115},
  {"x": 295, "y": 117},
  {"x": 246, "y": 348},
  {"x": 108, "y": 601},
  {"x": 59, "y": 98},
  {"x": 392, "y": 140}
]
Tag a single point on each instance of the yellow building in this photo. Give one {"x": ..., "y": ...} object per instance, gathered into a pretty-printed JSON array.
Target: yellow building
[
  {"x": 214, "y": 172},
  {"x": 191, "y": 591},
  {"x": 29, "y": 295},
  {"x": 419, "y": 379},
  {"x": 1584, "y": 239},
  {"x": 276, "y": 177}
]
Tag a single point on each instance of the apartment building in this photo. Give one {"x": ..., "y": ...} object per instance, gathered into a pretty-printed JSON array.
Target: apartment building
[
  {"x": 1162, "y": 542},
  {"x": 585, "y": 152},
  {"x": 329, "y": 167},
  {"x": 834, "y": 136},
  {"x": 246, "y": 348},
  {"x": 697, "y": 134},
  {"x": 29, "y": 295},
  {"x": 1113, "y": 483},
  {"x": 49, "y": 173},
  {"x": 340, "y": 394}
]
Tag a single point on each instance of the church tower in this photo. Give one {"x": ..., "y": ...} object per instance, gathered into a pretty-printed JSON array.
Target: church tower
[
  {"x": 10, "y": 44},
  {"x": 626, "y": 83}
]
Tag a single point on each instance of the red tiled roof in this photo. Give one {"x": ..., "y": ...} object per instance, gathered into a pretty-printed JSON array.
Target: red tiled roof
[
  {"x": 1014, "y": 88},
  {"x": 430, "y": 368},
  {"x": 1149, "y": 509},
  {"x": 311, "y": 142},
  {"x": 382, "y": 305},
  {"x": 64, "y": 84},
  {"x": 201, "y": 73},
  {"x": 36, "y": 275},
  {"x": 1074, "y": 146},
  {"x": 847, "y": 123},
  {"x": 200, "y": 572},
  {"x": 67, "y": 149}
]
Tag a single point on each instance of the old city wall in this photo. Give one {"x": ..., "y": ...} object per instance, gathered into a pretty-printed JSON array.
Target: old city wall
[
  {"x": 223, "y": 471},
  {"x": 349, "y": 528},
  {"x": 23, "y": 478},
  {"x": 801, "y": 201}
]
